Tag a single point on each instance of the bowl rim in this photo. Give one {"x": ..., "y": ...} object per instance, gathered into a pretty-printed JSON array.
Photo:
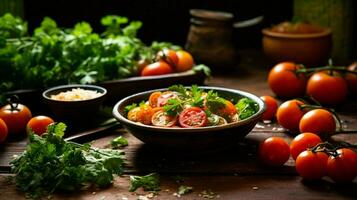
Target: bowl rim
[
  {"x": 268, "y": 32},
  {"x": 256, "y": 116},
  {"x": 83, "y": 86}
]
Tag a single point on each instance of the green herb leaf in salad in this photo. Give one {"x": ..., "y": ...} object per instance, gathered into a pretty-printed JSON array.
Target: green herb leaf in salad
[
  {"x": 130, "y": 107},
  {"x": 150, "y": 182},
  {"x": 214, "y": 102},
  {"x": 51, "y": 164},
  {"x": 119, "y": 142},
  {"x": 246, "y": 108},
  {"x": 174, "y": 106}
]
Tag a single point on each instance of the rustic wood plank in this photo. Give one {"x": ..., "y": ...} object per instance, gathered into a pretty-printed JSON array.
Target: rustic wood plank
[{"x": 223, "y": 187}]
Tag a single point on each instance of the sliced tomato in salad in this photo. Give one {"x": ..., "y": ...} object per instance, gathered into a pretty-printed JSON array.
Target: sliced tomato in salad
[
  {"x": 193, "y": 117},
  {"x": 153, "y": 99},
  {"x": 164, "y": 97},
  {"x": 160, "y": 118}
]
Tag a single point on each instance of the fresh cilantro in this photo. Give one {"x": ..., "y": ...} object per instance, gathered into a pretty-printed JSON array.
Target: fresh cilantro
[
  {"x": 119, "y": 142},
  {"x": 180, "y": 89},
  {"x": 246, "y": 108},
  {"x": 174, "y": 106},
  {"x": 149, "y": 182},
  {"x": 52, "y": 164},
  {"x": 214, "y": 102},
  {"x": 130, "y": 107},
  {"x": 197, "y": 99},
  {"x": 182, "y": 190}
]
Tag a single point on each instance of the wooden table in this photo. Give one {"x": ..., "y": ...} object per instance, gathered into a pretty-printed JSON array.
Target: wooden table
[{"x": 231, "y": 174}]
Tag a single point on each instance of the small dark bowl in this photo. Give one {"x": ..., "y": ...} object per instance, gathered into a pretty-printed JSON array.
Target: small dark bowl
[
  {"x": 74, "y": 111},
  {"x": 205, "y": 138}
]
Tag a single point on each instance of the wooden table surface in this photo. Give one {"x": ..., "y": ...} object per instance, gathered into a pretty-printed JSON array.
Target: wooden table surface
[{"x": 234, "y": 173}]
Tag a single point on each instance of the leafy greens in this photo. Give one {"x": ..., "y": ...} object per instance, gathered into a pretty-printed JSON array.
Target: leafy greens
[{"x": 50, "y": 164}]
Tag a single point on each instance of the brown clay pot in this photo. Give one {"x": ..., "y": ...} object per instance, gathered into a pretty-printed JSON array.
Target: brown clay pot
[{"x": 311, "y": 49}]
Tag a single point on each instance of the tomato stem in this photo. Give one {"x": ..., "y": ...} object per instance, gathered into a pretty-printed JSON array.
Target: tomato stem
[
  {"x": 324, "y": 68},
  {"x": 13, "y": 102}
]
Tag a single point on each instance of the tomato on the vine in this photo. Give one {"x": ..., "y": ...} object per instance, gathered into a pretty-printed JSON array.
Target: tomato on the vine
[
  {"x": 193, "y": 117},
  {"x": 274, "y": 151},
  {"x": 327, "y": 87},
  {"x": 3, "y": 131},
  {"x": 16, "y": 117},
  {"x": 39, "y": 124},
  {"x": 156, "y": 68},
  {"x": 343, "y": 167},
  {"x": 271, "y": 107},
  {"x": 289, "y": 114},
  {"x": 318, "y": 121},
  {"x": 311, "y": 165},
  {"x": 169, "y": 56},
  {"x": 284, "y": 82},
  {"x": 302, "y": 142},
  {"x": 185, "y": 61}
]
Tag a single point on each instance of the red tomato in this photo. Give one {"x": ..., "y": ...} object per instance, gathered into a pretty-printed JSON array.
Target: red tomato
[
  {"x": 271, "y": 107},
  {"x": 284, "y": 82},
  {"x": 289, "y": 114},
  {"x": 3, "y": 131},
  {"x": 342, "y": 168},
  {"x": 319, "y": 121},
  {"x": 160, "y": 118},
  {"x": 39, "y": 124},
  {"x": 327, "y": 88},
  {"x": 164, "y": 97},
  {"x": 16, "y": 117},
  {"x": 156, "y": 68},
  {"x": 154, "y": 98},
  {"x": 274, "y": 151},
  {"x": 351, "y": 79},
  {"x": 185, "y": 61},
  {"x": 302, "y": 142},
  {"x": 193, "y": 117},
  {"x": 311, "y": 165},
  {"x": 169, "y": 56}
]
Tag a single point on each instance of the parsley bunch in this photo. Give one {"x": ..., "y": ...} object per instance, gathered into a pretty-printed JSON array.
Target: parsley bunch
[{"x": 51, "y": 164}]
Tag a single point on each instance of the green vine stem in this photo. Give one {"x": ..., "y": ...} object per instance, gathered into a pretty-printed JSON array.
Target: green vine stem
[{"x": 325, "y": 68}]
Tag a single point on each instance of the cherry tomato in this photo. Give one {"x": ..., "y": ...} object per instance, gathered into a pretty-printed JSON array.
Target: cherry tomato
[
  {"x": 289, "y": 114},
  {"x": 319, "y": 121},
  {"x": 284, "y": 82},
  {"x": 144, "y": 114},
  {"x": 271, "y": 105},
  {"x": 3, "y": 131},
  {"x": 164, "y": 97},
  {"x": 327, "y": 88},
  {"x": 343, "y": 167},
  {"x": 185, "y": 61},
  {"x": 156, "y": 68},
  {"x": 311, "y": 165},
  {"x": 274, "y": 151},
  {"x": 154, "y": 98},
  {"x": 192, "y": 117},
  {"x": 16, "y": 117},
  {"x": 302, "y": 142},
  {"x": 352, "y": 78},
  {"x": 39, "y": 124},
  {"x": 162, "y": 119},
  {"x": 168, "y": 56}
]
